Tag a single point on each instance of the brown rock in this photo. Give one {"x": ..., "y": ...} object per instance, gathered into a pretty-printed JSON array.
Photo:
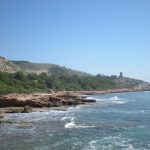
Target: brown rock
[
  {"x": 26, "y": 101},
  {"x": 2, "y": 114},
  {"x": 27, "y": 109},
  {"x": 13, "y": 110}
]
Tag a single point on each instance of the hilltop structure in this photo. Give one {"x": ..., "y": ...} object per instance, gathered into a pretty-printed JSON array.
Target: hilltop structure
[{"x": 121, "y": 75}]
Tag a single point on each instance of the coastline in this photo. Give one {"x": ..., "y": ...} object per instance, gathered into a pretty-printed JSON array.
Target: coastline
[
  {"x": 37, "y": 102},
  {"x": 102, "y": 92},
  {"x": 26, "y": 103}
]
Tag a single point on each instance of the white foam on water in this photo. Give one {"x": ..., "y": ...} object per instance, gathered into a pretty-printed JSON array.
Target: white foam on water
[
  {"x": 65, "y": 117},
  {"x": 72, "y": 124},
  {"x": 34, "y": 116},
  {"x": 132, "y": 112},
  {"x": 42, "y": 147},
  {"x": 92, "y": 144},
  {"x": 118, "y": 102},
  {"x": 111, "y": 102},
  {"x": 115, "y": 98},
  {"x": 146, "y": 91},
  {"x": 111, "y": 142},
  {"x": 69, "y": 114},
  {"x": 89, "y": 97}
]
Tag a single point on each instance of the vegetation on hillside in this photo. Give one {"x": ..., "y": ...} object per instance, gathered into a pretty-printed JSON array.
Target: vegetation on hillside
[
  {"x": 47, "y": 68},
  {"x": 27, "y": 77},
  {"x": 26, "y": 83}
]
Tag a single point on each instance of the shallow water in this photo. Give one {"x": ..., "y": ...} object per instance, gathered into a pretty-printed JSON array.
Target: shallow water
[{"x": 115, "y": 122}]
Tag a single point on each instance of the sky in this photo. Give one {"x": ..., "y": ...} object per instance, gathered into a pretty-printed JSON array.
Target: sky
[{"x": 95, "y": 36}]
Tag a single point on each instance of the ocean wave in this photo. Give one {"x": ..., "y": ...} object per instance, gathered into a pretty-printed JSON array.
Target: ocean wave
[
  {"x": 34, "y": 116},
  {"x": 118, "y": 102},
  {"x": 66, "y": 116},
  {"x": 111, "y": 142},
  {"x": 74, "y": 108},
  {"x": 115, "y": 98},
  {"x": 112, "y": 102},
  {"x": 72, "y": 124},
  {"x": 107, "y": 101},
  {"x": 70, "y": 112},
  {"x": 89, "y": 97},
  {"x": 132, "y": 112}
]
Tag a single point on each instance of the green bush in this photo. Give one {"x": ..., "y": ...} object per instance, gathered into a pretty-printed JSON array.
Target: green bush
[{"x": 22, "y": 83}]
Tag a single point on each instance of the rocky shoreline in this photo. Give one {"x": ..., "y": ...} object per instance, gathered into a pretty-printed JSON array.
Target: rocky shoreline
[{"x": 25, "y": 103}]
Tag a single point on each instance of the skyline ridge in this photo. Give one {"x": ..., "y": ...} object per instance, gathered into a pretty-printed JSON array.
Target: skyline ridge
[{"x": 117, "y": 75}]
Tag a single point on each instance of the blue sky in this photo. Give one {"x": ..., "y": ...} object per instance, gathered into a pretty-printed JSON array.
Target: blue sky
[{"x": 96, "y": 36}]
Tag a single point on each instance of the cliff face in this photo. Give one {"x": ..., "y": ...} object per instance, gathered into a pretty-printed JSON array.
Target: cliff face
[
  {"x": 132, "y": 84},
  {"x": 7, "y": 66}
]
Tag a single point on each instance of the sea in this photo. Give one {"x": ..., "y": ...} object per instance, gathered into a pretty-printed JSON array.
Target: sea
[{"x": 118, "y": 121}]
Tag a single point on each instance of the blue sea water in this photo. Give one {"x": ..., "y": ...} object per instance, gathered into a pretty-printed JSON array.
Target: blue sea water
[{"x": 119, "y": 121}]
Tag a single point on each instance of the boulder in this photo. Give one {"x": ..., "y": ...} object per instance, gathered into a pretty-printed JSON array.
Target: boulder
[{"x": 27, "y": 109}]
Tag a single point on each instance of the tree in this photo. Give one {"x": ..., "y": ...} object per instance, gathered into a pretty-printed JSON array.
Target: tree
[{"x": 19, "y": 76}]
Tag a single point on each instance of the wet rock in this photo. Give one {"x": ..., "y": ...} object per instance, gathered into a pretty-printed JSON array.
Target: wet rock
[
  {"x": 88, "y": 100},
  {"x": 24, "y": 102},
  {"x": 57, "y": 104},
  {"x": 27, "y": 109},
  {"x": 13, "y": 110},
  {"x": 74, "y": 102},
  {"x": 2, "y": 114}
]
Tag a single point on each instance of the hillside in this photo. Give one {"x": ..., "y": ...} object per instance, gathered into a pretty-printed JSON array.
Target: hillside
[
  {"x": 50, "y": 69},
  {"x": 131, "y": 83},
  {"x": 7, "y": 66},
  {"x": 38, "y": 68},
  {"x": 24, "y": 76}
]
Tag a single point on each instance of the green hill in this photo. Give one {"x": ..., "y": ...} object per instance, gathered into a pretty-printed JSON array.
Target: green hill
[{"x": 24, "y": 76}]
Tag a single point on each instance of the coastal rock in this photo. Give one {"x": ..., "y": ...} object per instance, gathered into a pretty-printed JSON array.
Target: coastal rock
[
  {"x": 68, "y": 94},
  {"x": 25, "y": 102},
  {"x": 88, "y": 100},
  {"x": 27, "y": 109},
  {"x": 13, "y": 109},
  {"x": 2, "y": 114},
  {"x": 33, "y": 101}
]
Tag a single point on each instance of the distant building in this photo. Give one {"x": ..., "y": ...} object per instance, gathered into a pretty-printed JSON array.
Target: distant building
[
  {"x": 121, "y": 75},
  {"x": 113, "y": 76}
]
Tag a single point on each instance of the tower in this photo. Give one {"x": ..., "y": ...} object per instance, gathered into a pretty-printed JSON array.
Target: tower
[{"x": 121, "y": 75}]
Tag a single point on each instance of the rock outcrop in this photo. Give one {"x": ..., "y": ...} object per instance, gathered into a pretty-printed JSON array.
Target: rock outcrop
[{"x": 26, "y": 102}]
